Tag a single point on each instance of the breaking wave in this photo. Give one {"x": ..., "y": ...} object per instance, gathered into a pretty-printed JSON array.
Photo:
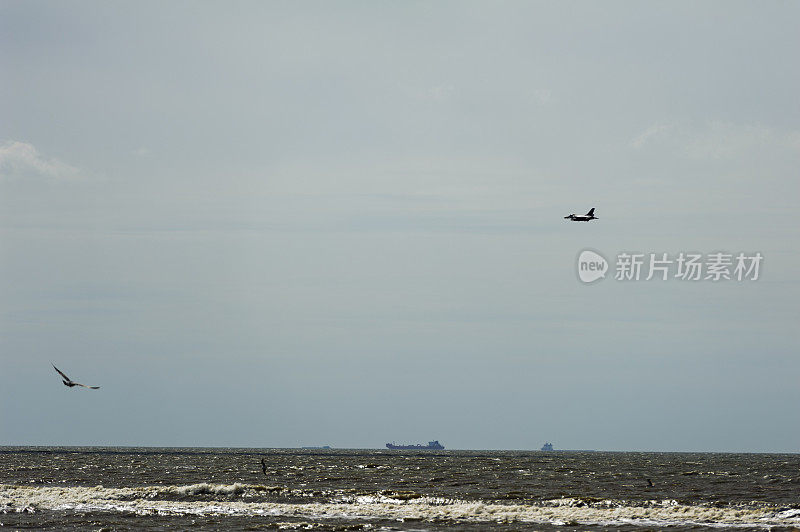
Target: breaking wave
[{"x": 246, "y": 499}]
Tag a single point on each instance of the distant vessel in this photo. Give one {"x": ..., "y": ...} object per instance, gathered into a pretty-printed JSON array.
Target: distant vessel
[
  {"x": 549, "y": 447},
  {"x": 432, "y": 445}
]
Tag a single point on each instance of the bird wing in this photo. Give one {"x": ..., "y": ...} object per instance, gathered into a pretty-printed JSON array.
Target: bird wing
[
  {"x": 61, "y": 373},
  {"x": 90, "y": 387}
]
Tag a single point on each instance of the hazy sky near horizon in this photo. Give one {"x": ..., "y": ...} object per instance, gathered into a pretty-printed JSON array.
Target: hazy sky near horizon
[{"x": 341, "y": 223}]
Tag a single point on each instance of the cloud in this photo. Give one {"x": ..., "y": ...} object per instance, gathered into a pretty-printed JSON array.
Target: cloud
[
  {"x": 441, "y": 92},
  {"x": 717, "y": 140},
  {"x": 23, "y": 160},
  {"x": 722, "y": 140},
  {"x": 542, "y": 96},
  {"x": 648, "y": 135}
]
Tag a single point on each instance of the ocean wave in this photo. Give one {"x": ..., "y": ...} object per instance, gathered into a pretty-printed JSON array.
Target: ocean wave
[
  {"x": 230, "y": 490},
  {"x": 232, "y": 499}
]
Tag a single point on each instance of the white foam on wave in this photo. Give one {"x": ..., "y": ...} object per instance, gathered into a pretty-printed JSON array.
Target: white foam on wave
[
  {"x": 211, "y": 489},
  {"x": 148, "y": 500}
]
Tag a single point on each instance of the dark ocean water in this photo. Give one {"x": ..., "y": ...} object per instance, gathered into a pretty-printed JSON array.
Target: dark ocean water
[{"x": 212, "y": 489}]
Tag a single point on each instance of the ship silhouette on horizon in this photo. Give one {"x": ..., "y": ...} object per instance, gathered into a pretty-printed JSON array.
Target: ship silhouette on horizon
[{"x": 432, "y": 446}]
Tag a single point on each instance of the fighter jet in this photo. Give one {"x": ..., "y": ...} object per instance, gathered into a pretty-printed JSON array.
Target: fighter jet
[
  {"x": 69, "y": 382},
  {"x": 582, "y": 217}
]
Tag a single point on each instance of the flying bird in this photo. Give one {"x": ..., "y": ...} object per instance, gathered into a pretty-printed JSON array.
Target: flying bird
[
  {"x": 582, "y": 217},
  {"x": 69, "y": 382}
]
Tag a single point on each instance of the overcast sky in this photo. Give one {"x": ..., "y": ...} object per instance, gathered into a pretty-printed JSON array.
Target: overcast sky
[{"x": 341, "y": 223}]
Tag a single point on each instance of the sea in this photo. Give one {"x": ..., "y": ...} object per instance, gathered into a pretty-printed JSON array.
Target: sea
[{"x": 93, "y": 488}]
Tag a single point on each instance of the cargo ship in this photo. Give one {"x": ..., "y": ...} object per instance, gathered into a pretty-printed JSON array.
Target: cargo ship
[{"x": 432, "y": 446}]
